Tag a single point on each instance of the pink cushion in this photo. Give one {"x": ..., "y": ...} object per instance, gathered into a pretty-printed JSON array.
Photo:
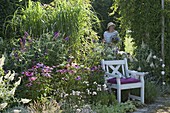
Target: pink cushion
[{"x": 123, "y": 80}]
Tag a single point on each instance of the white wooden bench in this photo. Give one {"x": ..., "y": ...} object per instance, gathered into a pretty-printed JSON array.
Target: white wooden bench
[{"x": 118, "y": 76}]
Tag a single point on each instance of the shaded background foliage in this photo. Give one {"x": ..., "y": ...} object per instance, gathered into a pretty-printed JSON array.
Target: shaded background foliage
[{"x": 142, "y": 18}]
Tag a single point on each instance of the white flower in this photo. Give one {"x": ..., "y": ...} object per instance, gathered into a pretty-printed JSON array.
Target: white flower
[
  {"x": 65, "y": 95},
  {"x": 139, "y": 68},
  {"x": 154, "y": 57},
  {"x": 11, "y": 78},
  {"x": 7, "y": 75},
  {"x": 2, "y": 61},
  {"x": 152, "y": 65},
  {"x": 99, "y": 88},
  {"x": 163, "y": 72},
  {"x": 25, "y": 101},
  {"x": 149, "y": 57},
  {"x": 16, "y": 111},
  {"x": 73, "y": 92},
  {"x": 18, "y": 82},
  {"x": 1, "y": 79},
  {"x": 3, "y": 105},
  {"x": 88, "y": 91},
  {"x": 94, "y": 93},
  {"x": 160, "y": 60},
  {"x": 12, "y": 92},
  {"x": 163, "y": 83},
  {"x": 82, "y": 66},
  {"x": 78, "y": 110},
  {"x": 78, "y": 93},
  {"x": 163, "y": 65},
  {"x": 95, "y": 82}
]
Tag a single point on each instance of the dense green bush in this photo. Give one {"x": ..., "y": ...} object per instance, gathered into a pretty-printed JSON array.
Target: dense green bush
[{"x": 7, "y": 86}]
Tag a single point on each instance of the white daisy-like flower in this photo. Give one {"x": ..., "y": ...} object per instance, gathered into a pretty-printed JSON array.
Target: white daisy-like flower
[
  {"x": 163, "y": 83},
  {"x": 154, "y": 57},
  {"x": 160, "y": 60},
  {"x": 163, "y": 72},
  {"x": 163, "y": 65}
]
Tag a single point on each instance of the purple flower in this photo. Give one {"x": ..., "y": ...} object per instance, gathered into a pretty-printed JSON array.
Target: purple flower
[
  {"x": 93, "y": 68},
  {"x": 26, "y": 34},
  {"x": 67, "y": 38},
  {"x": 78, "y": 78},
  {"x": 56, "y": 34}
]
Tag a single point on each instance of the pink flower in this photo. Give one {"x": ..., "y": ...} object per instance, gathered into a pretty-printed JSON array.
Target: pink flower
[
  {"x": 32, "y": 79},
  {"x": 29, "y": 74}
]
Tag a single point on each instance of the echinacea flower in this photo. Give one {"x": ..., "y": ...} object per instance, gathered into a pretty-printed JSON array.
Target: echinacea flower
[
  {"x": 40, "y": 65},
  {"x": 29, "y": 74},
  {"x": 78, "y": 78}
]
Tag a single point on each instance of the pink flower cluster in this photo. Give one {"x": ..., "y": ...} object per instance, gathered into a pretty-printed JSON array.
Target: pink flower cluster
[{"x": 40, "y": 69}]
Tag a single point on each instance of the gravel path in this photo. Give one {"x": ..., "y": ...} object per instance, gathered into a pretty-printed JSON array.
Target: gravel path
[{"x": 161, "y": 105}]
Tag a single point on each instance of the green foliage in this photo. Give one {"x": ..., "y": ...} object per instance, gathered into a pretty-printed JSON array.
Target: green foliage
[
  {"x": 152, "y": 91},
  {"x": 118, "y": 108},
  {"x": 102, "y": 8},
  {"x": 143, "y": 19},
  {"x": 7, "y": 86}
]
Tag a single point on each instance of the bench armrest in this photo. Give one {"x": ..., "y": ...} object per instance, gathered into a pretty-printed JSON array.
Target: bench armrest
[{"x": 137, "y": 73}]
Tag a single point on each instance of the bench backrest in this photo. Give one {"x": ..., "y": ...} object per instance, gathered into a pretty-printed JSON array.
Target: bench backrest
[{"x": 116, "y": 67}]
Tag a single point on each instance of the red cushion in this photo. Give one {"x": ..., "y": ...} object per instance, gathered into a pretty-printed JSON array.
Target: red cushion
[{"x": 123, "y": 80}]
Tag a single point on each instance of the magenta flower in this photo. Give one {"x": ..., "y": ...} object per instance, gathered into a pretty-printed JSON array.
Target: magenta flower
[
  {"x": 78, "y": 78},
  {"x": 32, "y": 79}
]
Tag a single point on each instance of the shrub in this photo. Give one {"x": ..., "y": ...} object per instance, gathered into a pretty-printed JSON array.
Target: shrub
[{"x": 7, "y": 86}]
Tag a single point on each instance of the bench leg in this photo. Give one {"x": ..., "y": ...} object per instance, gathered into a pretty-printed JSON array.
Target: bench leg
[
  {"x": 142, "y": 94},
  {"x": 119, "y": 95}
]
